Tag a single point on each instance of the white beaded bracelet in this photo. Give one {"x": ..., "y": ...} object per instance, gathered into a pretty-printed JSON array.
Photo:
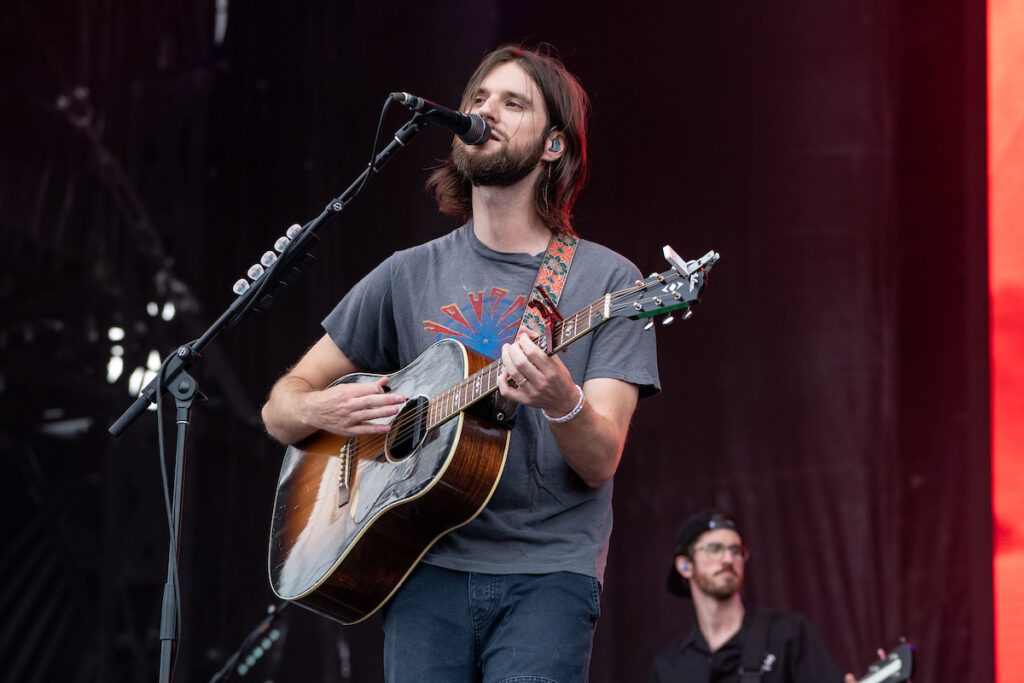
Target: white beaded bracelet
[{"x": 571, "y": 414}]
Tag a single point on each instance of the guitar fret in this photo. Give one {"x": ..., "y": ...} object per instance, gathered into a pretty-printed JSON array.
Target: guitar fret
[{"x": 457, "y": 397}]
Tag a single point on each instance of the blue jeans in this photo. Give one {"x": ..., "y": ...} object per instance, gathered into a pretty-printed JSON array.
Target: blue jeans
[{"x": 458, "y": 627}]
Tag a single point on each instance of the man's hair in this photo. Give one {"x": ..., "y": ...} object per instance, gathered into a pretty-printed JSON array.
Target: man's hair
[
  {"x": 568, "y": 108},
  {"x": 717, "y": 520}
]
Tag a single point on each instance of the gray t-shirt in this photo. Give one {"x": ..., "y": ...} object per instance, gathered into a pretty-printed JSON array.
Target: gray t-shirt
[{"x": 542, "y": 517}]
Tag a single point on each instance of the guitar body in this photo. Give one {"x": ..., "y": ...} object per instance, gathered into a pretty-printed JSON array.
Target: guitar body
[{"x": 343, "y": 553}]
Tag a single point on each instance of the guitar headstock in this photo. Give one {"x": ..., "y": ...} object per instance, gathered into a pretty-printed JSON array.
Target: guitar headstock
[{"x": 661, "y": 293}]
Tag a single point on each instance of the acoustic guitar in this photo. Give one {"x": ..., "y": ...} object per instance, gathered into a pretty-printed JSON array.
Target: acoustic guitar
[{"x": 353, "y": 516}]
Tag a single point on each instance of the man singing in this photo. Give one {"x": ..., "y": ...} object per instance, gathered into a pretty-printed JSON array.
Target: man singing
[{"x": 515, "y": 593}]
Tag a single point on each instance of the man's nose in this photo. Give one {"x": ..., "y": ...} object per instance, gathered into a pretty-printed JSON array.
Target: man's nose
[{"x": 488, "y": 109}]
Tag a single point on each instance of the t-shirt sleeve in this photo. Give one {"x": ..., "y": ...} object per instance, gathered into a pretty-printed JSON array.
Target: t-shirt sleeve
[
  {"x": 624, "y": 350},
  {"x": 363, "y": 324}
]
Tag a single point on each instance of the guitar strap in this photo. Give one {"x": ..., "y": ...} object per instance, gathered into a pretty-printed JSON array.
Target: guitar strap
[
  {"x": 554, "y": 268},
  {"x": 752, "y": 663}
]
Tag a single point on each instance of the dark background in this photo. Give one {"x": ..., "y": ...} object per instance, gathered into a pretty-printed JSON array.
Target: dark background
[{"x": 831, "y": 390}]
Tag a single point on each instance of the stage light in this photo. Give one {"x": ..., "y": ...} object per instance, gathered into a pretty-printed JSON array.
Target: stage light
[
  {"x": 1006, "y": 304},
  {"x": 115, "y": 368},
  {"x": 135, "y": 381}
]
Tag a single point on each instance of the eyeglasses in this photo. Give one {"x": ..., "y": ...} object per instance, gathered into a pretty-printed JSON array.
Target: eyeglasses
[{"x": 717, "y": 550}]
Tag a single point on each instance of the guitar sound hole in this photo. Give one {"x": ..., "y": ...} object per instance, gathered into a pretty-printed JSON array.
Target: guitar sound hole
[{"x": 408, "y": 430}]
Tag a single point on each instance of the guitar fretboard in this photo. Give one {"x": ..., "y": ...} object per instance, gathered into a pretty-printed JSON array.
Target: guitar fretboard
[{"x": 465, "y": 393}]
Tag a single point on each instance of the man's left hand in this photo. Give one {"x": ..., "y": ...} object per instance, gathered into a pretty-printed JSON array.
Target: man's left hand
[{"x": 534, "y": 378}]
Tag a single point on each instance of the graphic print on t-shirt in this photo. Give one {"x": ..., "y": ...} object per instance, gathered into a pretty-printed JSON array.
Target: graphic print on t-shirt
[{"x": 484, "y": 323}]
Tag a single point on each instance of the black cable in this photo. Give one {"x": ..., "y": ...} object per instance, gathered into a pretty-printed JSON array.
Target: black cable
[{"x": 373, "y": 149}]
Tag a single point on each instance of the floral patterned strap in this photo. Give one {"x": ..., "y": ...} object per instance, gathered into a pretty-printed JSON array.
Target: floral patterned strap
[{"x": 554, "y": 268}]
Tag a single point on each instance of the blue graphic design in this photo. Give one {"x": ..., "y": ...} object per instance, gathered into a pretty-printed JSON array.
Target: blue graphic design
[{"x": 484, "y": 323}]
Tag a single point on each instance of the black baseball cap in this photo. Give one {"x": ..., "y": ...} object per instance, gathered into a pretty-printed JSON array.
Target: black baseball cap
[{"x": 695, "y": 525}]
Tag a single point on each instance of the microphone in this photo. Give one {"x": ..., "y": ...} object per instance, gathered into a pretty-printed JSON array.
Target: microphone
[{"x": 470, "y": 128}]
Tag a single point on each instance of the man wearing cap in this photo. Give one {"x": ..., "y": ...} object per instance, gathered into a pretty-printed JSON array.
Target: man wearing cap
[{"x": 732, "y": 642}]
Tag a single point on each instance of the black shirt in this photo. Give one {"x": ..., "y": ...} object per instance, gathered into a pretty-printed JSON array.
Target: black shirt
[{"x": 794, "y": 654}]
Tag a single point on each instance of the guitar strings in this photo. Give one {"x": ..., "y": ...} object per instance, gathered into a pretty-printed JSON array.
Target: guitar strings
[{"x": 405, "y": 423}]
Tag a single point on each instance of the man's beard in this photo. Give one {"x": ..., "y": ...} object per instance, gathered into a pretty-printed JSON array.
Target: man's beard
[
  {"x": 501, "y": 168},
  {"x": 719, "y": 591}
]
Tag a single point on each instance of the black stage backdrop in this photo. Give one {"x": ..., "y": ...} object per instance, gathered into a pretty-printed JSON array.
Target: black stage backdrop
[{"x": 831, "y": 390}]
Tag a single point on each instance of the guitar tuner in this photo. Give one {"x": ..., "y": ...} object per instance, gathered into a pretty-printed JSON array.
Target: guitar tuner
[{"x": 667, "y": 320}]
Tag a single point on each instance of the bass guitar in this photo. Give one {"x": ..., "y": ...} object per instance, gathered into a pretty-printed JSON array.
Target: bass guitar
[{"x": 353, "y": 516}]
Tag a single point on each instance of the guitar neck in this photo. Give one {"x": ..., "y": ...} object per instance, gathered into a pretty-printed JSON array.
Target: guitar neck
[
  {"x": 482, "y": 383},
  {"x": 886, "y": 673},
  {"x": 895, "y": 667}
]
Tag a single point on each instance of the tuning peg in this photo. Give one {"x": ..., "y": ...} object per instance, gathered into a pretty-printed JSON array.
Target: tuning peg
[
  {"x": 688, "y": 314},
  {"x": 649, "y": 325},
  {"x": 255, "y": 270},
  {"x": 668, "y": 319},
  {"x": 240, "y": 286}
]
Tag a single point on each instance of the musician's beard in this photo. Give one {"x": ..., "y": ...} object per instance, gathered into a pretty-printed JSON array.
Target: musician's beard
[
  {"x": 501, "y": 168},
  {"x": 721, "y": 587}
]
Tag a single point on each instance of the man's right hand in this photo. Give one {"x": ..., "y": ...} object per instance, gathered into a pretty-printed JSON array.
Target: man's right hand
[
  {"x": 347, "y": 409},
  {"x": 304, "y": 401}
]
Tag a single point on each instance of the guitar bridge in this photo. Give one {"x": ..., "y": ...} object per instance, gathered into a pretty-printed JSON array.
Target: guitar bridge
[{"x": 344, "y": 472}]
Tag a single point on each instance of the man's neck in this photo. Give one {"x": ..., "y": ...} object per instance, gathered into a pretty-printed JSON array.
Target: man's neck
[
  {"x": 506, "y": 218},
  {"x": 718, "y": 620}
]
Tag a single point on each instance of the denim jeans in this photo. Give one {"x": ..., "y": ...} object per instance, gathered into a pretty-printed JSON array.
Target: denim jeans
[{"x": 458, "y": 627}]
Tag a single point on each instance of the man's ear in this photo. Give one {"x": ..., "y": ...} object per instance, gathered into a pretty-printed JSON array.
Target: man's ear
[
  {"x": 683, "y": 567},
  {"x": 554, "y": 146}
]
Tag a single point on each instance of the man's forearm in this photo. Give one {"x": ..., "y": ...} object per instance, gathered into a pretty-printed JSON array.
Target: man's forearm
[{"x": 283, "y": 414}]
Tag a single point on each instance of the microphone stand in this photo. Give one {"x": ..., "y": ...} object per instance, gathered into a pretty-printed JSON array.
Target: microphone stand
[{"x": 173, "y": 376}]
